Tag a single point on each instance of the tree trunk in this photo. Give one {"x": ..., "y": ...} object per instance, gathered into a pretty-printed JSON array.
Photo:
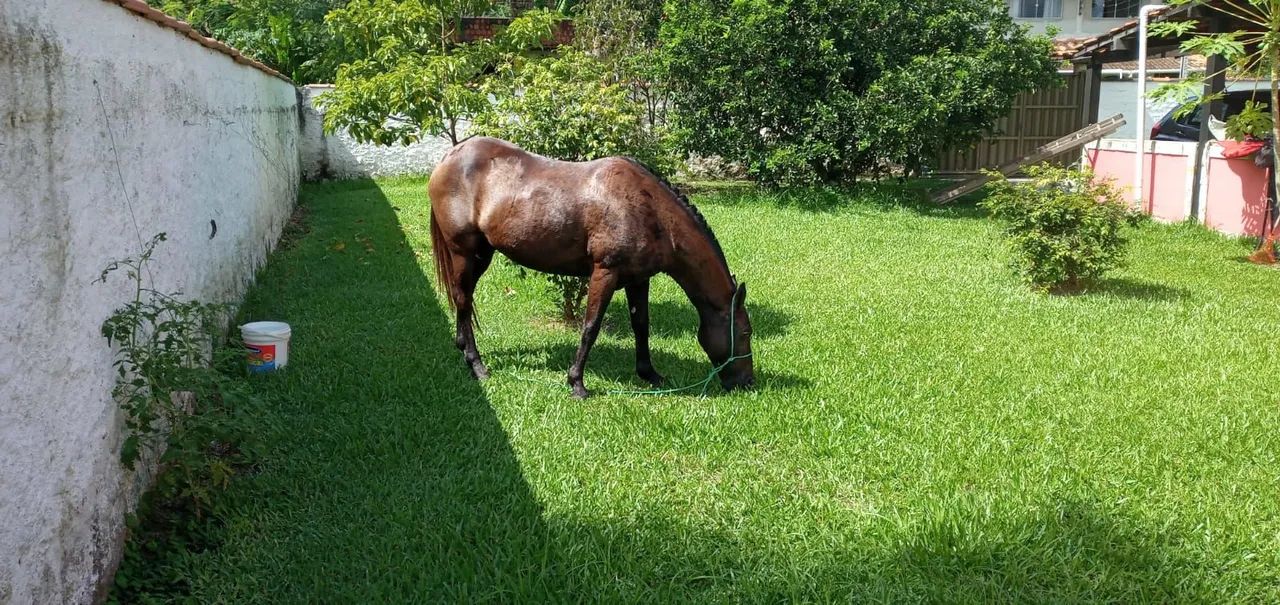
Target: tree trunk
[
  {"x": 1275, "y": 114},
  {"x": 1266, "y": 252}
]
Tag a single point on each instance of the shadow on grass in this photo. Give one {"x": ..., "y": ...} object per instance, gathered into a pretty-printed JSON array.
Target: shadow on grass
[
  {"x": 1076, "y": 553},
  {"x": 886, "y": 195},
  {"x": 1123, "y": 287},
  {"x": 1142, "y": 290},
  {"x": 1247, "y": 259},
  {"x": 614, "y": 362},
  {"x": 680, "y": 319},
  {"x": 391, "y": 479}
]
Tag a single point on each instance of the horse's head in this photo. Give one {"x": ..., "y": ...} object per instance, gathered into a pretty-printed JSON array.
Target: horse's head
[{"x": 726, "y": 336}]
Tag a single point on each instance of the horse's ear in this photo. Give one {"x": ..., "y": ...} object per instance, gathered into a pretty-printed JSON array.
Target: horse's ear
[{"x": 742, "y": 292}]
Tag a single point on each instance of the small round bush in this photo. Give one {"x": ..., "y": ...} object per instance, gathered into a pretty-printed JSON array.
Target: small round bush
[{"x": 1064, "y": 226}]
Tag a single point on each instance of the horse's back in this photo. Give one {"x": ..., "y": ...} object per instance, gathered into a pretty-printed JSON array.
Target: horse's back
[
  {"x": 554, "y": 216},
  {"x": 463, "y": 180}
]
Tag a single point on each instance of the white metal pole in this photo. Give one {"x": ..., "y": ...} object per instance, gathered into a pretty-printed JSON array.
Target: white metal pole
[{"x": 1140, "y": 122}]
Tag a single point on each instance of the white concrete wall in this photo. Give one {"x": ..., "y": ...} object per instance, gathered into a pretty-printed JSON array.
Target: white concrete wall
[
  {"x": 338, "y": 156},
  {"x": 112, "y": 129}
]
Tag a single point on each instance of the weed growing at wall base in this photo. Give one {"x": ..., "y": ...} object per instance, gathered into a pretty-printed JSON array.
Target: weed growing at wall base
[{"x": 183, "y": 415}]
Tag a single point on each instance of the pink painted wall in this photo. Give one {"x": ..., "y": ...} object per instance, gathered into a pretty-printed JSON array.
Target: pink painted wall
[
  {"x": 1165, "y": 188},
  {"x": 1235, "y": 190},
  {"x": 1236, "y": 196}
]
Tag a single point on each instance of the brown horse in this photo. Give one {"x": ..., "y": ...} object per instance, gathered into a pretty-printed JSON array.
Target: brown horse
[{"x": 611, "y": 220}]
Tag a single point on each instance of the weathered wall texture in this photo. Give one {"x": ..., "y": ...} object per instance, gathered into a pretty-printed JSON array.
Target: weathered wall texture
[
  {"x": 112, "y": 129},
  {"x": 338, "y": 156}
]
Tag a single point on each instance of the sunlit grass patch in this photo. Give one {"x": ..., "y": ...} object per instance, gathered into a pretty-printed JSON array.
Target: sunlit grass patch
[{"x": 925, "y": 427}]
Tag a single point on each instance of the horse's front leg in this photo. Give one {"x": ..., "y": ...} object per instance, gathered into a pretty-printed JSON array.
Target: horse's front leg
[
  {"x": 638, "y": 306},
  {"x": 599, "y": 293}
]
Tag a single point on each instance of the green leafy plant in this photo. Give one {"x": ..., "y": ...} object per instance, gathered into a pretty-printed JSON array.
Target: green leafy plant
[
  {"x": 805, "y": 92},
  {"x": 569, "y": 292},
  {"x": 409, "y": 77},
  {"x": 287, "y": 35},
  {"x": 1252, "y": 51},
  {"x": 1064, "y": 226},
  {"x": 183, "y": 412}
]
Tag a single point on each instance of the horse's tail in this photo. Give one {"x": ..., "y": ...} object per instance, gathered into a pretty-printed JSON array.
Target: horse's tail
[{"x": 444, "y": 262}]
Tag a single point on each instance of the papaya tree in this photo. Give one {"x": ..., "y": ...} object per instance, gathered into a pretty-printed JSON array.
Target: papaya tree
[{"x": 1252, "y": 51}]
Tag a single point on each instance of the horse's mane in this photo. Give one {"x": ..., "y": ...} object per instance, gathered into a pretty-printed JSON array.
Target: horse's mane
[{"x": 693, "y": 211}]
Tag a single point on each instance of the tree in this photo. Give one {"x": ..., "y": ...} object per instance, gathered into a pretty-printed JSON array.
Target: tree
[
  {"x": 410, "y": 77},
  {"x": 1252, "y": 51},
  {"x": 290, "y": 36},
  {"x": 816, "y": 90},
  {"x": 624, "y": 35}
]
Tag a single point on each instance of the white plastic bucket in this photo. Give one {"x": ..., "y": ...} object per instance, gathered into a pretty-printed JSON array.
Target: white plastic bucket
[{"x": 267, "y": 343}]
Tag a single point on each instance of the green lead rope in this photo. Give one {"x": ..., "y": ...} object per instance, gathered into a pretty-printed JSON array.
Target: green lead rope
[{"x": 705, "y": 383}]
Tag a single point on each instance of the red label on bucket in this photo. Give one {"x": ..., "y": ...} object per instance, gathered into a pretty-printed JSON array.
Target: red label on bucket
[{"x": 262, "y": 358}]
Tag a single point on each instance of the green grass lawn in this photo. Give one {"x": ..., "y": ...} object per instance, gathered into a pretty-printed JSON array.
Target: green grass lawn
[{"x": 926, "y": 429}]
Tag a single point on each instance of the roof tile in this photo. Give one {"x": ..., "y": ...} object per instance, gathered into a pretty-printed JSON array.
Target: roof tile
[{"x": 150, "y": 13}]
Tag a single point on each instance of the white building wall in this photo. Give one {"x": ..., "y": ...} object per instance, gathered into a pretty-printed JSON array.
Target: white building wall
[
  {"x": 112, "y": 129},
  {"x": 1076, "y": 19},
  {"x": 339, "y": 156}
]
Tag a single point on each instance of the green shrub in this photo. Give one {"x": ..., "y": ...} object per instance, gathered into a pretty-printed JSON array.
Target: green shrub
[
  {"x": 186, "y": 414},
  {"x": 800, "y": 91},
  {"x": 567, "y": 292},
  {"x": 1064, "y": 226}
]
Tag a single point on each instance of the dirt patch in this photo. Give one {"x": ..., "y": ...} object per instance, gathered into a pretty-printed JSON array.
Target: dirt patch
[{"x": 296, "y": 228}]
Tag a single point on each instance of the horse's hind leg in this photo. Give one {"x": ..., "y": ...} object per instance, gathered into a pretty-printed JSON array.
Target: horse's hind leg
[
  {"x": 638, "y": 306},
  {"x": 468, "y": 266},
  {"x": 603, "y": 283}
]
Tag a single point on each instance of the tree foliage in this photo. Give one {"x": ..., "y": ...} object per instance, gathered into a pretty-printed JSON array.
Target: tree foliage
[
  {"x": 410, "y": 78},
  {"x": 568, "y": 108},
  {"x": 1250, "y": 52},
  {"x": 290, "y": 36},
  {"x": 816, "y": 90}
]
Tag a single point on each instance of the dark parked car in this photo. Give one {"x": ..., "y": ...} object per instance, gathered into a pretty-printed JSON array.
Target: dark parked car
[{"x": 1187, "y": 128}]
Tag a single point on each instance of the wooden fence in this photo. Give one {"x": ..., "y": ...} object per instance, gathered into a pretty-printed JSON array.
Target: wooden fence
[{"x": 1037, "y": 118}]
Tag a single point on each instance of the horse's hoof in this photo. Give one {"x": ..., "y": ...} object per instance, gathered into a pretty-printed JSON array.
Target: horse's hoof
[
  {"x": 479, "y": 371},
  {"x": 654, "y": 379},
  {"x": 580, "y": 392}
]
